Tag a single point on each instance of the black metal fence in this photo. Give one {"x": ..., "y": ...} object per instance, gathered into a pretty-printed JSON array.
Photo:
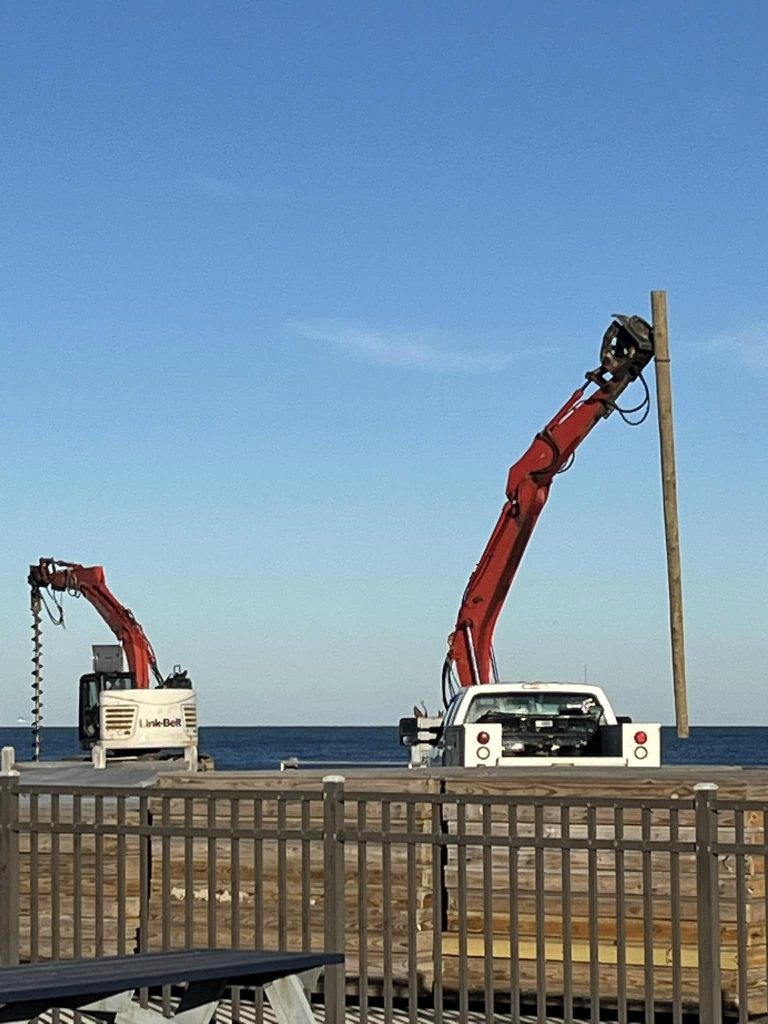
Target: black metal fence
[{"x": 457, "y": 904}]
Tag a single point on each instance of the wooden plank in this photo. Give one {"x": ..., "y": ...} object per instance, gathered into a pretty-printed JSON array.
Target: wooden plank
[
  {"x": 581, "y": 981},
  {"x": 660, "y": 827},
  {"x": 376, "y": 781},
  {"x": 660, "y": 818},
  {"x": 581, "y": 953},
  {"x": 634, "y": 883},
  {"x": 528, "y": 925},
  {"x": 661, "y": 907}
]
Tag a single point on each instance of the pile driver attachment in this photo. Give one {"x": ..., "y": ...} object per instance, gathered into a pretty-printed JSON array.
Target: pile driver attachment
[{"x": 627, "y": 348}]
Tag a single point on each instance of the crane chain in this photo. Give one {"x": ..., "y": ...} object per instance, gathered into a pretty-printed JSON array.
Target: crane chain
[{"x": 37, "y": 672}]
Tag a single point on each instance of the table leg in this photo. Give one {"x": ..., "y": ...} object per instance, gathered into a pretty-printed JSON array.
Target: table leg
[
  {"x": 288, "y": 998},
  {"x": 198, "y": 1006}
]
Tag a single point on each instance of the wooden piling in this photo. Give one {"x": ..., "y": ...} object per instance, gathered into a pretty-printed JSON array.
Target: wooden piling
[{"x": 669, "y": 492}]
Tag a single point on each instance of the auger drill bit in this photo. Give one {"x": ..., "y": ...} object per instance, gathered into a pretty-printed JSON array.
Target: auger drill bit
[{"x": 37, "y": 672}]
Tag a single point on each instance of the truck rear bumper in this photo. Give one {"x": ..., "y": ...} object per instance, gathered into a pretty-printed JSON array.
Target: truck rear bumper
[{"x": 576, "y": 762}]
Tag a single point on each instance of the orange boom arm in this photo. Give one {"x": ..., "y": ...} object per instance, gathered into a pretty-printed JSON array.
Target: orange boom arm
[
  {"x": 627, "y": 348},
  {"x": 90, "y": 582}
]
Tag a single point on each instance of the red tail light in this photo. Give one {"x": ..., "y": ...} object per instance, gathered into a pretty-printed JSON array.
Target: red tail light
[
  {"x": 483, "y": 737},
  {"x": 641, "y": 737}
]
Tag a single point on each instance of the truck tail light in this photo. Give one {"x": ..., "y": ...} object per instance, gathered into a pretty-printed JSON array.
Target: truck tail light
[
  {"x": 641, "y": 737},
  {"x": 483, "y": 752}
]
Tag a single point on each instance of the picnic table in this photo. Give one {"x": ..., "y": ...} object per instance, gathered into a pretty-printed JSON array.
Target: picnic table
[{"x": 104, "y": 987}]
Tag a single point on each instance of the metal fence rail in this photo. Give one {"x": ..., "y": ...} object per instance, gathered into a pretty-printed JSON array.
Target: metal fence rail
[{"x": 453, "y": 903}]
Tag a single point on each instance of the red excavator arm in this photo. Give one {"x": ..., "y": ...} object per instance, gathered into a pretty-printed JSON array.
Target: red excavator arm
[
  {"x": 90, "y": 582},
  {"x": 627, "y": 348}
]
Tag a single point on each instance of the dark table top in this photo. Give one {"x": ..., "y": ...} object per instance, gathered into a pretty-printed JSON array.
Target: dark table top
[{"x": 110, "y": 974}]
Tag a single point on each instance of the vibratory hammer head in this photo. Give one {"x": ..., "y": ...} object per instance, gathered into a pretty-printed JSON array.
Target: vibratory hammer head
[{"x": 627, "y": 347}]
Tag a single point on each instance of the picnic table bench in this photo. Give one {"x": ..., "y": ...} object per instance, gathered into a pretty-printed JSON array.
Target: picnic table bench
[{"x": 104, "y": 987}]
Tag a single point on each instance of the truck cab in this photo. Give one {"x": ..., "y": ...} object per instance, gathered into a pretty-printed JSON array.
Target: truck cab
[{"x": 529, "y": 724}]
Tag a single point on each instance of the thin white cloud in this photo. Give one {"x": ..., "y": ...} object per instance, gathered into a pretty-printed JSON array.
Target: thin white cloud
[
  {"x": 749, "y": 346},
  {"x": 419, "y": 349}
]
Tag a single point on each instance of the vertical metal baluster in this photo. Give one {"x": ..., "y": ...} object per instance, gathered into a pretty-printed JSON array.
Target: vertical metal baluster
[
  {"x": 122, "y": 888},
  {"x": 621, "y": 914},
  {"x": 166, "y": 805},
  {"x": 166, "y": 818},
  {"x": 98, "y": 900},
  {"x": 386, "y": 857},
  {"x": 677, "y": 939},
  {"x": 566, "y": 906},
  {"x": 439, "y": 860},
  {"x": 411, "y": 850},
  {"x": 77, "y": 879},
  {"x": 144, "y": 884},
  {"x": 740, "y": 860},
  {"x": 34, "y": 878},
  {"x": 258, "y": 896},
  {"x": 362, "y": 909},
  {"x": 189, "y": 873},
  {"x": 234, "y": 891},
  {"x": 306, "y": 876},
  {"x": 648, "y": 946},
  {"x": 56, "y": 886},
  {"x": 594, "y": 916},
  {"x": 514, "y": 919},
  {"x": 258, "y": 874},
  {"x": 78, "y": 914},
  {"x": 487, "y": 916},
  {"x": 461, "y": 905},
  {"x": 541, "y": 917},
  {"x": 235, "y": 938},
  {"x": 212, "y": 866},
  {"x": 282, "y": 873}
]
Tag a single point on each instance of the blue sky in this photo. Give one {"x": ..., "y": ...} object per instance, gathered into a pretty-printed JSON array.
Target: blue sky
[{"x": 286, "y": 288}]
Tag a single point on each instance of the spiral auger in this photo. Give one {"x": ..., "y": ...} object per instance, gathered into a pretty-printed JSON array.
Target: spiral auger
[{"x": 37, "y": 672}]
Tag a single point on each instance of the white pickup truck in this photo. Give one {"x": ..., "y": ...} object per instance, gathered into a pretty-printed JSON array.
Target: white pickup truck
[{"x": 520, "y": 725}]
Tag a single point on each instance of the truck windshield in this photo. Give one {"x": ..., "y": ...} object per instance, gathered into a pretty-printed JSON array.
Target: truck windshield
[{"x": 539, "y": 703}]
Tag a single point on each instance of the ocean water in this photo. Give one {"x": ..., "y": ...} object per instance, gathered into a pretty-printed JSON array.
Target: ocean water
[{"x": 260, "y": 747}]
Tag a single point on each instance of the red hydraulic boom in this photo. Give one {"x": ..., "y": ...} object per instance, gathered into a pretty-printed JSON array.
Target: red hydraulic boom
[
  {"x": 90, "y": 582},
  {"x": 627, "y": 349}
]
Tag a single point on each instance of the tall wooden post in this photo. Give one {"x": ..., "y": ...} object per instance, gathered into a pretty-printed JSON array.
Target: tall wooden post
[{"x": 669, "y": 491}]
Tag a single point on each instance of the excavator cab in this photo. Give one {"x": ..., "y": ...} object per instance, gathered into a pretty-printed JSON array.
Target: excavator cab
[
  {"x": 108, "y": 674},
  {"x": 89, "y": 705}
]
